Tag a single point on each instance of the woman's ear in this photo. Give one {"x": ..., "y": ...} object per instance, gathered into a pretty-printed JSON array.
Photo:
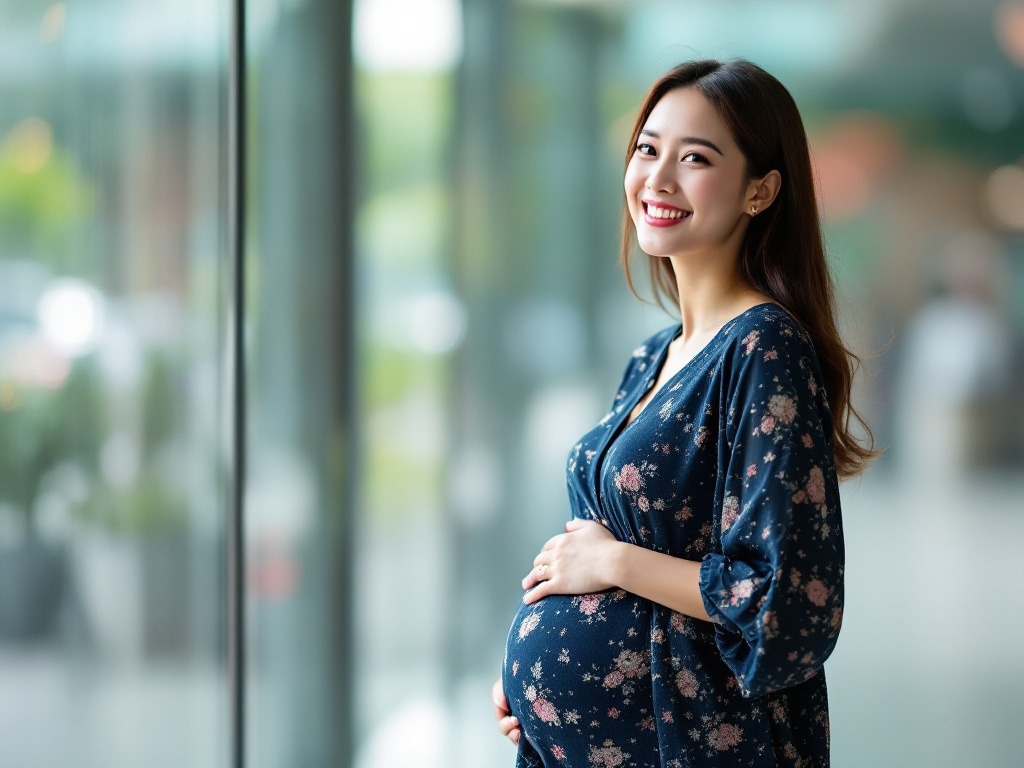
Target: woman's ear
[{"x": 762, "y": 192}]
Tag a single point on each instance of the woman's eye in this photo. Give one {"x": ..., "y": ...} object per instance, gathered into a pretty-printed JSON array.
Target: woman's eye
[
  {"x": 697, "y": 157},
  {"x": 644, "y": 149}
]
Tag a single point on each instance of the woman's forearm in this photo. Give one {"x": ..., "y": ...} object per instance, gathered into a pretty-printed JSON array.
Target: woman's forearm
[{"x": 670, "y": 581}]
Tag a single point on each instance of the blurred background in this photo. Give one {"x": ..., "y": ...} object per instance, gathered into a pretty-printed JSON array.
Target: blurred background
[{"x": 434, "y": 315}]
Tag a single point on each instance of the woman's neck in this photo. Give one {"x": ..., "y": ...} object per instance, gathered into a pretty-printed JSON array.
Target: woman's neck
[{"x": 710, "y": 293}]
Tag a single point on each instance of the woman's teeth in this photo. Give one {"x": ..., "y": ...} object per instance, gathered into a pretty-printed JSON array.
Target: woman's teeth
[{"x": 665, "y": 213}]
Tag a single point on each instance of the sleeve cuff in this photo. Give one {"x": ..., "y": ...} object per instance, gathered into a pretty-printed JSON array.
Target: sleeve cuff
[
  {"x": 713, "y": 566},
  {"x": 734, "y": 593}
]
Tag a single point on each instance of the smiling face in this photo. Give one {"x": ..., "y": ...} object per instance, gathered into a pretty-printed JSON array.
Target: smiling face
[{"x": 686, "y": 185}]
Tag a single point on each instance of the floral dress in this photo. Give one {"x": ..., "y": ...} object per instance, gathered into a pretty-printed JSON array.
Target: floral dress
[{"x": 729, "y": 464}]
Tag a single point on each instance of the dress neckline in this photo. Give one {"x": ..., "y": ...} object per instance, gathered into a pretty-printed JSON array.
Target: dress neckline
[{"x": 654, "y": 371}]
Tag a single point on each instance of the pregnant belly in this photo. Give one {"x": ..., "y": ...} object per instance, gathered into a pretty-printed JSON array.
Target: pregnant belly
[{"x": 573, "y": 660}]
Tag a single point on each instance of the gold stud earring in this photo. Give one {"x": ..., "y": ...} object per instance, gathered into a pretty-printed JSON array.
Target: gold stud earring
[{"x": 753, "y": 210}]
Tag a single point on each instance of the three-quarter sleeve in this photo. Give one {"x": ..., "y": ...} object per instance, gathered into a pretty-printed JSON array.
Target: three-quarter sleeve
[{"x": 774, "y": 586}]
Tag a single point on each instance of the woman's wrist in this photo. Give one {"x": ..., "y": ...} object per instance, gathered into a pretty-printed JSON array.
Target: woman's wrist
[
  {"x": 618, "y": 562},
  {"x": 670, "y": 581}
]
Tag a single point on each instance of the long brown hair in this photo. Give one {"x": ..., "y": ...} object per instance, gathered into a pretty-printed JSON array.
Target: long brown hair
[{"x": 782, "y": 254}]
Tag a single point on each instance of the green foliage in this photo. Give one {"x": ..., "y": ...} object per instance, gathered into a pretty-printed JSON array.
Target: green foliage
[
  {"x": 393, "y": 375},
  {"x": 43, "y": 428},
  {"x": 406, "y": 118},
  {"x": 40, "y": 203},
  {"x": 147, "y": 505}
]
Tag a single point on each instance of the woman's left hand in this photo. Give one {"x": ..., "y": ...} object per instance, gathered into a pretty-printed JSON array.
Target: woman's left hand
[{"x": 574, "y": 563}]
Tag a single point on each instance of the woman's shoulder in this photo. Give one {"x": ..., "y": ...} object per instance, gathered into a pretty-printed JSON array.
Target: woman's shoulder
[
  {"x": 771, "y": 364},
  {"x": 770, "y": 328}
]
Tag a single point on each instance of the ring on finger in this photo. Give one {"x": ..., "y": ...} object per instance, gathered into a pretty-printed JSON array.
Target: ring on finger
[{"x": 541, "y": 569}]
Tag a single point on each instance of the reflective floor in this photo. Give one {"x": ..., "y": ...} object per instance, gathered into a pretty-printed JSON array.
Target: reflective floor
[{"x": 927, "y": 671}]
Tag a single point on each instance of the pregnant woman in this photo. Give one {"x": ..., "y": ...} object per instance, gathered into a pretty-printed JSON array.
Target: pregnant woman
[{"x": 684, "y": 616}]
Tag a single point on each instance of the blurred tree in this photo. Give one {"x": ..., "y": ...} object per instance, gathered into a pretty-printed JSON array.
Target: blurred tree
[{"x": 42, "y": 196}]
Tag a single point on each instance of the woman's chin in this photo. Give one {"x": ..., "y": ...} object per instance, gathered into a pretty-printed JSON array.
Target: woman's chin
[{"x": 656, "y": 250}]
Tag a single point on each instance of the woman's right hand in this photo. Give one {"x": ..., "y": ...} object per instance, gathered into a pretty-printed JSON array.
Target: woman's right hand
[{"x": 507, "y": 724}]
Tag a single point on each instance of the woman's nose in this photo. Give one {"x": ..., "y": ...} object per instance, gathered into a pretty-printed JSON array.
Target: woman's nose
[{"x": 660, "y": 179}]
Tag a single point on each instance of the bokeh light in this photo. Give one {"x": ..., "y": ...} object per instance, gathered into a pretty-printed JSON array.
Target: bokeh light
[
  {"x": 52, "y": 25},
  {"x": 1009, "y": 28},
  {"x": 1004, "y": 194},
  {"x": 29, "y": 144},
  {"x": 407, "y": 35},
  {"x": 71, "y": 315}
]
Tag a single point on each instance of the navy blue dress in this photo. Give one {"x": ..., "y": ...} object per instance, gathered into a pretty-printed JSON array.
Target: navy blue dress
[{"x": 730, "y": 464}]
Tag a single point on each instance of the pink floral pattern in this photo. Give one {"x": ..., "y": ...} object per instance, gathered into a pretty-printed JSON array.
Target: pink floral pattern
[
  {"x": 686, "y": 683},
  {"x": 733, "y": 469},
  {"x": 730, "y": 511},
  {"x": 529, "y": 624},
  {"x": 545, "y": 710},
  {"x": 589, "y": 604},
  {"x": 782, "y": 408},
  {"x": 629, "y": 479},
  {"x": 724, "y": 737},
  {"x": 816, "y": 592},
  {"x": 607, "y": 756}
]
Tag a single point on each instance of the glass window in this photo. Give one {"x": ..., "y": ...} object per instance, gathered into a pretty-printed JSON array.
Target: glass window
[{"x": 111, "y": 367}]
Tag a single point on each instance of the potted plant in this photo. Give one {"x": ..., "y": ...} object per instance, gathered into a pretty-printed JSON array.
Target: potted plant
[
  {"x": 131, "y": 546},
  {"x": 45, "y": 432}
]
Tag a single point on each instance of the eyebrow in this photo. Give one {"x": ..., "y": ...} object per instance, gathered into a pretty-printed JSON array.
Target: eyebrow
[{"x": 687, "y": 140}]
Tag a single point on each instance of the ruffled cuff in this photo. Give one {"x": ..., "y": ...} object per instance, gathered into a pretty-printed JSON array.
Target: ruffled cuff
[{"x": 734, "y": 592}]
